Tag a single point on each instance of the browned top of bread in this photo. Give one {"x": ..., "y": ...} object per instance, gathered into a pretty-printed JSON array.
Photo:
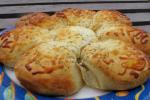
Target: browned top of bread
[
  {"x": 32, "y": 19},
  {"x": 49, "y": 68},
  {"x": 79, "y": 17},
  {"x": 108, "y": 18},
  {"x": 76, "y": 17},
  {"x": 18, "y": 40},
  {"x": 128, "y": 34}
]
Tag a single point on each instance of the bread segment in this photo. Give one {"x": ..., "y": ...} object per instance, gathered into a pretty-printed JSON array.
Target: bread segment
[
  {"x": 50, "y": 69},
  {"x": 114, "y": 65},
  {"x": 105, "y": 19},
  {"x": 15, "y": 42}
]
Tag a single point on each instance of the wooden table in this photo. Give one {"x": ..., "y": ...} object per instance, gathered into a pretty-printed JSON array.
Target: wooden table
[{"x": 137, "y": 10}]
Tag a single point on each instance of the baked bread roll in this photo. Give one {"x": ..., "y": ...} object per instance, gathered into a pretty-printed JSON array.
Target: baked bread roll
[
  {"x": 74, "y": 35},
  {"x": 50, "y": 69},
  {"x": 46, "y": 51},
  {"x": 105, "y": 19},
  {"x": 15, "y": 42},
  {"x": 128, "y": 34},
  {"x": 114, "y": 65},
  {"x": 79, "y": 17}
]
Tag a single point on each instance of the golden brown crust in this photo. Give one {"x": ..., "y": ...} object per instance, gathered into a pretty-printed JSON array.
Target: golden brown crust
[
  {"x": 55, "y": 21},
  {"x": 32, "y": 19},
  {"x": 76, "y": 17},
  {"x": 43, "y": 20},
  {"x": 49, "y": 69},
  {"x": 79, "y": 17},
  {"x": 15, "y": 42},
  {"x": 121, "y": 64},
  {"x": 109, "y": 18},
  {"x": 128, "y": 34}
]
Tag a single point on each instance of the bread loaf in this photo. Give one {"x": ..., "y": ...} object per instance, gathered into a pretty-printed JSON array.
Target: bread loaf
[{"x": 56, "y": 54}]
